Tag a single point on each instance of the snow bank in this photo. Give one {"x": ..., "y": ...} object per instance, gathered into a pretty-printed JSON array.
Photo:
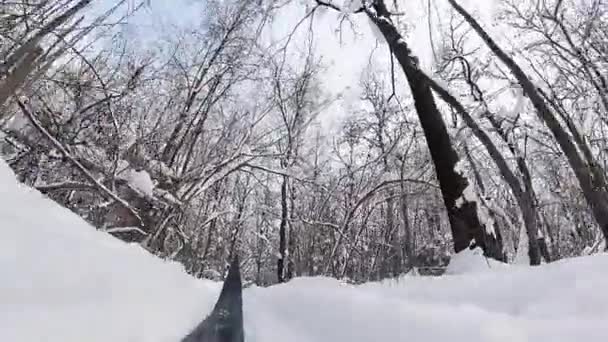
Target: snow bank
[
  {"x": 472, "y": 262},
  {"x": 141, "y": 181},
  {"x": 64, "y": 281}
]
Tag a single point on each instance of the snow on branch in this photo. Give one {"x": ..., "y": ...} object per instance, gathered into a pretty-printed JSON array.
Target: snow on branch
[
  {"x": 69, "y": 185},
  {"x": 75, "y": 162},
  {"x": 124, "y": 230}
]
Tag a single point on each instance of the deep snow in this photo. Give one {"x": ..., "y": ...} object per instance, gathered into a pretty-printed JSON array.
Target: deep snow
[{"x": 64, "y": 281}]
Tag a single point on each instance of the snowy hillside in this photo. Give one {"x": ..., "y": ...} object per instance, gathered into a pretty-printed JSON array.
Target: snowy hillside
[{"x": 63, "y": 281}]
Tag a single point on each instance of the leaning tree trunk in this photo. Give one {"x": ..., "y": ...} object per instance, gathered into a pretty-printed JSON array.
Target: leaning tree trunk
[
  {"x": 594, "y": 190},
  {"x": 25, "y": 58},
  {"x": 467, "y": 229},
  {"x": 522, "y": 191}
]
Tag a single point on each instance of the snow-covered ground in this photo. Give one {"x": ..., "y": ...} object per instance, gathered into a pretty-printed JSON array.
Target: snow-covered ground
[{"x": 63, "y": 281}]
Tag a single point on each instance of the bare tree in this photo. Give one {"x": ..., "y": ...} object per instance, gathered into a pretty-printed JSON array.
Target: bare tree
[
  {"x": 296, "y": 101},
  {"x": 462, "y": 211},
  {"x": 588, "y": 173}
]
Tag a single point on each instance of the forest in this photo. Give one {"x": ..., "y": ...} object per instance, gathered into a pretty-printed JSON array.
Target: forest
[{"x": 230, "y": 136}]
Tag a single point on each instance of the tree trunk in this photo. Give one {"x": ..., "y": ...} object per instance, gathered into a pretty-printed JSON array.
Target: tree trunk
[
  {"x": 464, "y": 221},
  {"x": 388, "y": 249},
  {"x": 282, "y": 233},
  {"x": 595, "y": 194},
  {"x": 409, "y": 237},
  {"x": 292, "y": 236},
  {"x": 522, "y": 192}
]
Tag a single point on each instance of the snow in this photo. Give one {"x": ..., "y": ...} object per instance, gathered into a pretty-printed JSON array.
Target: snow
[
  {"x": 16, "y": 123},
  {"x": 469, "y": 195},
  {"x": 376, "y": 32},
  {"x": 522, "y": 256},
  {"x": 64, "y": 281},
  {"x": 351, "y": 6},
  {"x": 472, "y": 261},
  {"x": 517, "y": 108},
  {"x": 141, "y": 181}
]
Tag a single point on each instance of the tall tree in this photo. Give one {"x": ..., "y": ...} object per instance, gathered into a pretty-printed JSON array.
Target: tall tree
[
  {"x": 589, "y": 174},
  {"x": 467, "y": 229}
]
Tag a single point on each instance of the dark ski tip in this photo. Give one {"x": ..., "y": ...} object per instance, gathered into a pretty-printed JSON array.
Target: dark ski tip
[{"x": 225, "y": 323}]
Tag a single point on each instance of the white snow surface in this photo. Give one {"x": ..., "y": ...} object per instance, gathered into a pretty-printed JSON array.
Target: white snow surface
[
  {"x": 64, "y": 281},
  {"x": 141, "y": 181},
  {"x": 473, "y": 262}
]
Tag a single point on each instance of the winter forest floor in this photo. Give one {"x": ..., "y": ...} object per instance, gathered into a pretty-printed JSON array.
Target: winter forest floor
[{"x": 64, "y": 281}]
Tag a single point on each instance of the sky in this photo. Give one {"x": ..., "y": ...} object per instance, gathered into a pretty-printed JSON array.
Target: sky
[{"x": 344, "y": 53}]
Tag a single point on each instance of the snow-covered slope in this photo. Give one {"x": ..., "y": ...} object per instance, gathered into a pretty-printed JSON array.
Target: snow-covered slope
[{"x": 63, "y": 281}]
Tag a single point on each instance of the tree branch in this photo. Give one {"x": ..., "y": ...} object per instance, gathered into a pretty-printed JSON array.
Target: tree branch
[
  {"x": 76, "y": 163},
  {"x": 44, "y": 188}
]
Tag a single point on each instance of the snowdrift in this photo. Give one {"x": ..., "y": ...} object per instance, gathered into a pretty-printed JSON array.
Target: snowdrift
[{"x": 61, "y": 280}]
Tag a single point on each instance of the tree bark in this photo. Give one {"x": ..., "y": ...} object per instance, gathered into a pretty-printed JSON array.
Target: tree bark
[
  {"x": 292, "y": 236},
  {"x": 282, "y": 233},
  {"x": 409, "y": 237},
  {"x": 522, "y": 192},
  {"x": 593, "y": 190},
  {"x": 466, "y": 227}
]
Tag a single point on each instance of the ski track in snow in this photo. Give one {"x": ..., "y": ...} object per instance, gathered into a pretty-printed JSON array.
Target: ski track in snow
[{"x": 64, "y": 281}]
